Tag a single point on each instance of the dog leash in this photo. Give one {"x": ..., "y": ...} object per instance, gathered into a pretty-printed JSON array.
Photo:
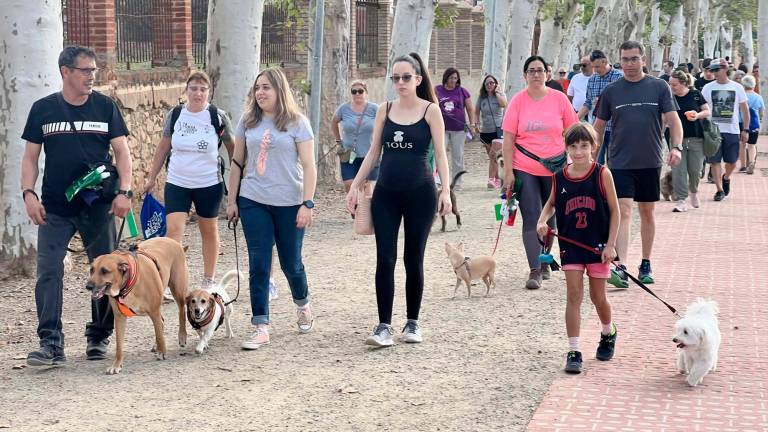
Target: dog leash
[
  {"x": 93, "y": 242},
  {"x": 598, "y": 250},
  {"x": 232, "y": 224}
]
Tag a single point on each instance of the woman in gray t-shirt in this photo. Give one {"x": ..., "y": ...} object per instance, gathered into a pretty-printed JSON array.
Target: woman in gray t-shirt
[
  {"x": 490, "y": 108},
  {"x": 352, "y": 125},
  {"x": 273, "y": 179}
]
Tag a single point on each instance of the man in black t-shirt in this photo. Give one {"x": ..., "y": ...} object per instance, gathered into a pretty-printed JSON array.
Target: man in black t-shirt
[
  {"x": 69, "y": 155},
  {"x": 707, "y": 76},
  {"x": 637, "y": 104}
]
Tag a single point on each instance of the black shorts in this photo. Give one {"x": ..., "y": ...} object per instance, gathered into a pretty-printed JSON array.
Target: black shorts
[
  {"x": 207, "y": 200},
  {"x": 753, "y": 137},
  {"x": 642, "y": 185},
  {"x": 486, "y": 138}
]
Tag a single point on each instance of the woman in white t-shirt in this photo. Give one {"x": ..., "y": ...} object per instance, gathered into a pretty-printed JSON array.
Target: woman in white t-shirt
[
  {"x": 194, "y": 175},
  {"x": 272, "y": 181}
]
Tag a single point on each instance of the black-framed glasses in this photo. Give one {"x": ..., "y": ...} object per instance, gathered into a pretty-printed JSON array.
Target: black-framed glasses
[
  {"x": 404, "y": 78},
  {"x": 561, "y": 73},
  {"x": 85, "y": 71},
  {"x": 583, "y": 65},
  {"x": 357, "y": 91}
]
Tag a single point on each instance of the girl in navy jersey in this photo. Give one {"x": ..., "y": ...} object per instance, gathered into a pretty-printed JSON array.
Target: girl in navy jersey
[
  {"x": 586, "y": 207},
  {"x": 403, "y": 131}
]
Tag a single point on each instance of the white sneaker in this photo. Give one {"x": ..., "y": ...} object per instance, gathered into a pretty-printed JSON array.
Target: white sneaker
[
  {"x": 207, "y": 283},
  {"x": 681, "y": 207},
  {"x": 272, "y": 289},
  {"x": 382, "y": 336},
  {"x": 306, "y": 320},
  {"x": 694, "y": 200},
  {"x": 411, "y": 332},
  {"x": 258, "y": 338}
]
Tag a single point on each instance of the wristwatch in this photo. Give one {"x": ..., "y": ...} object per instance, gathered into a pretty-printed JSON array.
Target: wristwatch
[
  {"x": 308, "y": 204},
  {"x": 128, "y": 193},
  {"x": 678, "y": 148}
]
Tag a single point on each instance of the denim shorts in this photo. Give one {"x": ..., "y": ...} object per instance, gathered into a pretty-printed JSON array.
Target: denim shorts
[
  {"x": 728, "y": 151},
  {"x": 350, "y": 170}
]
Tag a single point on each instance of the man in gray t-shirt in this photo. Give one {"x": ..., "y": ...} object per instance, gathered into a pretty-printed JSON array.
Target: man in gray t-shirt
[{"x": 638, "y": 105}]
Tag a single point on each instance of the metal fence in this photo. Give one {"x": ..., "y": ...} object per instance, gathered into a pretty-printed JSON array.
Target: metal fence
[
  {"x": 74, "y": 14},
  {"x": 199, "y": 30},
  {"x": 143, "y": 31},
  {"x": 278, "y": 36},
  {"x": 367, "y": 32}
]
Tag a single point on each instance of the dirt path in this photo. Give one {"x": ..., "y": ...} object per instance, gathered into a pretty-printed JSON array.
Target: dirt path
[{"x": 484, "y": 365}]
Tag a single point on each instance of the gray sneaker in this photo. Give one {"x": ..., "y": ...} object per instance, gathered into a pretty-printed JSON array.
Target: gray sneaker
[
  {"x": 411, "y": 332},
  {"x": 534, "y": 279},
  {"x": 382, "y": 336},
  {"x": 47, "y": 355},
  {"x": 546, "y": 273}
]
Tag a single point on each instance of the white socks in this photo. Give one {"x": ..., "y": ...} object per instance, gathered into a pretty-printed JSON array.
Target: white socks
[
  {"x": 607, "y": 328},
  {"x": 573, "y": 343}
]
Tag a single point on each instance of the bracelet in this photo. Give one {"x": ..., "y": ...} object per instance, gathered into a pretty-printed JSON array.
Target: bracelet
[{"x": 24, "y": 194}]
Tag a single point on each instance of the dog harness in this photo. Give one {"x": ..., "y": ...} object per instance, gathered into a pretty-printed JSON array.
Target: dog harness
[
  {"x": 208, "y": 315},
  {"x": 133, "y": 275},
  {"x": 464, "y": 263}
]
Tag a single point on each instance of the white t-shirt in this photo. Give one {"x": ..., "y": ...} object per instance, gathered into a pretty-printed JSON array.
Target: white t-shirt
[
  {"x": 578, "y": 89},
  {"x": 194, "y": 149},
  {"x": 724, "y": 101}
]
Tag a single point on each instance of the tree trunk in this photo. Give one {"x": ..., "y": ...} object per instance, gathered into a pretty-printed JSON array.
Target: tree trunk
[
  {"x": 496, "y": 33},
  {"x": 31, "y": 36},
  {"x": 411, "y": 32},
  {"x": 336, "y": 38},
  {"x": 762, "y": 35},
  {"x": 569, "y": 49},
  {"x": 748, "y": 56},
  {"x": 657, "y": 50},
  {"x": 549, "y": 41},
  {"x": 691, "y": 40},
  {"x": 522, "y": 20},
  {"x": 676, "y": 34},
  {"x": 597, "y": 33},
  {"x": 726, "y": 41},
  {"x": 711, "y": 28},
  {"x": 234, "y": 51}
]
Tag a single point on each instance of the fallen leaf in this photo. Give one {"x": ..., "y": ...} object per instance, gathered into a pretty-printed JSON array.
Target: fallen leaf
[
  {"x": 417, "y": 403},
  {"x": 245, "y": 380},
  {"x": 5, "y": 425},
  {"x": 223, "y": 368},
  {"x": 347, "y": 390},
  {"x": 19, "y": 357},
  {"x": 19, "y": 366}
]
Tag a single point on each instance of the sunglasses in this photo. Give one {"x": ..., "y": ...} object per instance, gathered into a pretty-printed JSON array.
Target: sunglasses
[
  {"x": 584, "y": 65},
  {"x": 357, "y": 91},
  {"x": 405, "y": 78},
  {"x": 561, "y": 73}
]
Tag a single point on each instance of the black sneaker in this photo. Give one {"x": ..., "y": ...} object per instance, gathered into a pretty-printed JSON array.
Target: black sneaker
[
  {"x": 573, "y": 362},
  {"x": 47, "y": 356},
  {"x": 726, "y": 185},
  {"x": 719, "y": 195},
  {"x": 97, "y": 349},
  {"x": 606, "y": 346}
]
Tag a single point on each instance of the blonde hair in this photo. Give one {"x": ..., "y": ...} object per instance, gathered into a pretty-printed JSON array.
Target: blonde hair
[
  {"x": 286, "y": 109},
  {"x": 360, "y": 83},
  {"x": 578, "y": 132}
]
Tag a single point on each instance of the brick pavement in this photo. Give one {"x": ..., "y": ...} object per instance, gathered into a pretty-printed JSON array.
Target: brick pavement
[{"x": 719, "y": 251}]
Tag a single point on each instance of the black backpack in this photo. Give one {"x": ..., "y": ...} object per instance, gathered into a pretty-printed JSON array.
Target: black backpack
[{"x": 217, "y": 126}]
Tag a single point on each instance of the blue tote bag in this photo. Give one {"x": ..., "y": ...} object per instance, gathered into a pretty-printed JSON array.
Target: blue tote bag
[{"x": 152, "y": 218}]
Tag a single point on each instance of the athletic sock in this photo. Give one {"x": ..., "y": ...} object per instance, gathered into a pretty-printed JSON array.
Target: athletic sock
[
  {"x": 573, "y": 343},
  {"x": 607, "y": 329}
]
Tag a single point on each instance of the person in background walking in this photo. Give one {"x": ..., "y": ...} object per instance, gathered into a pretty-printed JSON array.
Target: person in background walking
[
  {"x": 533, "y": 128},
  {"x": 756, "y": 115},
  {"x": 490, "y": 109},
  {"x": 577, "y": 89},
  {"x": 454, "y": 101},
  {"x": 405, "y": 192},
  {"x": 561, "y": 78},
  {"x": 604, "y": 75},
  {"x": 356, "y": 119},
  {"x": 691, "y": 108}
]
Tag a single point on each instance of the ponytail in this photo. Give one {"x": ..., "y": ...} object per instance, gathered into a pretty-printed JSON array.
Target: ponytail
[{"x": 425, "y": 89}]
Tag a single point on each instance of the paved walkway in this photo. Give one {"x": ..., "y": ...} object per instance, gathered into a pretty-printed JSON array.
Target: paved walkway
[{"x": 719, "y": 251}]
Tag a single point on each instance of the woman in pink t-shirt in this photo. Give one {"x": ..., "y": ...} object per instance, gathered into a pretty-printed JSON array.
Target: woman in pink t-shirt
[{"x": 535, "y": 120}]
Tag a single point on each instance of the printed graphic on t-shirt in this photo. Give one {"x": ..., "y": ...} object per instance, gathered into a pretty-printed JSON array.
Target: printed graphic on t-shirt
[
  {"x": 82, "y": 126},
  {"x": 398, "y": 142},
  {"x": 184, "y": 129},
  {"x": 261, "y": 159},
  {"x": 722, "y": 105},
  {"x": 449, "y": 106}
]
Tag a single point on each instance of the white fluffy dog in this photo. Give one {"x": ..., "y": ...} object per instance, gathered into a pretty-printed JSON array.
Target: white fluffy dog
[{"x": 698, "y": 340}]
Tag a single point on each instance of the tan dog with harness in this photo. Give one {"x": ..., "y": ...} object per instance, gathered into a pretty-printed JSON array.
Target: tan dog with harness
[
  {"x": 134, "y": 280},
  {"x": 469, "y": 269}
]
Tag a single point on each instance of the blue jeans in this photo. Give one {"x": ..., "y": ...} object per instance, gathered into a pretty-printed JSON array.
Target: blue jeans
[
  {"x": 263, "y": 227},
  {"x": 97, "y": 229},
  {"x": 604, "y": 148}
]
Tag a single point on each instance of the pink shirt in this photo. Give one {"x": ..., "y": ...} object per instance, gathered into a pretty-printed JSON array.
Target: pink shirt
[{"x": 538, "y": 126}]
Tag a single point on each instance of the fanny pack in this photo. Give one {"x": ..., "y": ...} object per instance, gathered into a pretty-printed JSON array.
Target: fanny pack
[{"x": 554, "y": 164}]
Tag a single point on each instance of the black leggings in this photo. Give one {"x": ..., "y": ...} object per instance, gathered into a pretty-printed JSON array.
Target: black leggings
[{"x": 416, "y": 207}]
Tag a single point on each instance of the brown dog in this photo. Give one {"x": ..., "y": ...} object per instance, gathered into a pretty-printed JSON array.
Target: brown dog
[
  {"x": 469, "y": 269},
  {"x": 134, "y": 281},
  {"x": 454, "y": 207},
  {"x": 666, "y": 186}
]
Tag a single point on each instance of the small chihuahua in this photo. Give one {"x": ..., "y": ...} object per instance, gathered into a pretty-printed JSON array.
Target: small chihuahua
[{"x": 469, "y": 269}]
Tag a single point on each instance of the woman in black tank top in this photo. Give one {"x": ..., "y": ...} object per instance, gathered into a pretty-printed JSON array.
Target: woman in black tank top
[{"x": 405, "y": 191}]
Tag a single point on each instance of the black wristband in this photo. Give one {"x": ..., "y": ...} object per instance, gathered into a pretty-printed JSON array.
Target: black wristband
[{"x": 24, "y": 194}]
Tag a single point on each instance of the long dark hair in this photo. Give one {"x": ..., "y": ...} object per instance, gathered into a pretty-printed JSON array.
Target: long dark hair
[
  {"x": 483, "y": 92},
  {"x": 450, "y": 71},
  {"x": 423, "y": 90}
]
